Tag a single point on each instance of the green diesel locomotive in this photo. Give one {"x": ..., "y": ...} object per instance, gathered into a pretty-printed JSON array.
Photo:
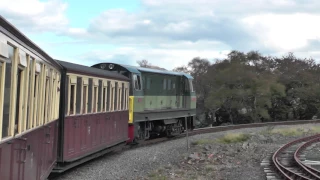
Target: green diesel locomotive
[{"x": 161, "y": 102}]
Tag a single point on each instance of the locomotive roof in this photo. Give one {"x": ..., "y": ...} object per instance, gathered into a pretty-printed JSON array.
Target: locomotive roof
[
  {"x": 136, "y": 69},
  {"x": 77, "y": 68},
  {"x": 10, "y": 30}
]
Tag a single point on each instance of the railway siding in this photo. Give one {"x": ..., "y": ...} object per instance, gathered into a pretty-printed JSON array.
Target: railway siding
[{"x": 210, "y": 156}]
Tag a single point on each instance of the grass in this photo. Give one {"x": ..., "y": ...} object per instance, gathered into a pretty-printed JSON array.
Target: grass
[
  {"x": 203, "y": 141},
  {"x": 315, "y": 129},
  {"x": 228, "y": 138},
  {"x": 297, "y": 131},
  {"x": 156, "y": 176},
  {"x": 209, "y": 168},
  {"x": 234, "y": 138},
  {"x": 288, "y": 132}
]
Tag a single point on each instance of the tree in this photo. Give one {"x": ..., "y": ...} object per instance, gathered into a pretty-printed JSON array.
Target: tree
[
  {"x": 146, "y": 64},
  {"x": 250, "y": 87},
  {"x": 183, "y": 69}
]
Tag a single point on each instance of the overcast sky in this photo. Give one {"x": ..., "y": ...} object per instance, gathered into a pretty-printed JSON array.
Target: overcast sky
[{"x": 167, "y": 33}]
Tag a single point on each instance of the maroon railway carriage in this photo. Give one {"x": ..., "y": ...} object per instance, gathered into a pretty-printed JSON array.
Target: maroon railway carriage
[
  {"x": 29, "y": 101},
  {"x": 94, "y": 114}
]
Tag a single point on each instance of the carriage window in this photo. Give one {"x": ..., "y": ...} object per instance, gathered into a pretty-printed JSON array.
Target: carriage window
[
  {"x": 90, "y": 89},
  {"x": 104, "y": 91},
  {"x": 126, "y": 98},
  {"x": 165, "y": 84},
  {"x": 58, "y": 98},
  {"x": 84, "y": 99},
  {"x": 122, "y": 97},
  {"x": 1, "y": 91},
  {"x": 46, "y": 100},
  {"x": 18, "y": 85},
  {"x": 35, "y": 102},
  {"x": 119, "y": 99},
  {"x": 78, "y": 99},
  {"x": 115, "y": 97},
  {"x": 108, "y": 95},
  {"x": 100, "y": 97},
  {"x": 53, "y": 96},
  {"x": 137, "y": 82},
  {"x": 112, "y": 99},
  {"x": 29, "y": 98},
  {"x": 173, "y": 85},
  {"x": 72, "y": 92},
  {"x": 7, "y": 94},
  {"x": 169, "y": 84},
  {"x": 95, "y": 93},
  {"x": 124, "y": 105}
]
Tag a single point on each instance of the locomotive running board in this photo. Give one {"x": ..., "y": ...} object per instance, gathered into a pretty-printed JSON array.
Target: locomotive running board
[{"x": 64, "y": 167}]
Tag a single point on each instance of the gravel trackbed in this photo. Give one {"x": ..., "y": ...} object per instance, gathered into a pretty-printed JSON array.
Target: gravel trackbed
[{"x": 205, "y": 160}]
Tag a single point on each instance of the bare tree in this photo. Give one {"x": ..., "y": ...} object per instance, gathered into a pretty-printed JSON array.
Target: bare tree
[{"x": 146, "y": 64}]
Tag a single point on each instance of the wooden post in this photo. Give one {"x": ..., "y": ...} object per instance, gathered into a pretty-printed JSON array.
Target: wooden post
[{"x": 186, "y": 122}]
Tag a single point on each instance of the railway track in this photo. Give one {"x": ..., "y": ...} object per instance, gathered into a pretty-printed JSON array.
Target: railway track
[
  {"x": 210, "y": 130},
  {"x": 222, "y": 128},
  {"x": 287, "y": 162}
]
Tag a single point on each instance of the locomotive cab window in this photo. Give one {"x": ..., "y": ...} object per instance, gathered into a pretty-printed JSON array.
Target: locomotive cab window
[
  {"x": 137, "y": 82},
  {"x": 191, "y": 85}
]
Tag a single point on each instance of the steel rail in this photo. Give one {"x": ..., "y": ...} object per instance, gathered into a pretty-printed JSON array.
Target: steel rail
[
  {"x": 311, "y": 170},
  {"x": 288, "y": 173}
]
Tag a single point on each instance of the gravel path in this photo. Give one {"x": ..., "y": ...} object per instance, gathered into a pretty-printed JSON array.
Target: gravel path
[{"x": 231, "y": 161}]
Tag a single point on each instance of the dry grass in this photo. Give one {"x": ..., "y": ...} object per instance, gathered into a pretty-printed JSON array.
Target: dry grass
[
  {"x": 203, "y": 141},
  {"x": 315, "y": 129},
  {"x": 234, "y": 138},
  {"x": 294, "y": 131},
  {"x": 156, "y": 176}
]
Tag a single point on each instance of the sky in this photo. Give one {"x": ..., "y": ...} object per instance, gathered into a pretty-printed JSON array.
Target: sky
[{"x": 167, "y": 33}]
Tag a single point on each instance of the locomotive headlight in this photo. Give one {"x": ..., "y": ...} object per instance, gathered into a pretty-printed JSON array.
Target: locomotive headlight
[
  {"x": 102, "y": 66},
  {"x": 111, "y": 66}
]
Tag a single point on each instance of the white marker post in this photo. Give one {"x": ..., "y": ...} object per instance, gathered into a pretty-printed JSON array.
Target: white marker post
[{"x": 186, "y": 119}]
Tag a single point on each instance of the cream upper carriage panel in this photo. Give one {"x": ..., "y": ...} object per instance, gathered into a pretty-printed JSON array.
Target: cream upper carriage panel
[
  {"x": 98, "y": 86},
  {"x": 26, "y": 61}
]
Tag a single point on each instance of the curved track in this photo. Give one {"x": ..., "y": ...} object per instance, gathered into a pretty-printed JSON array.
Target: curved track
[
  {"x": 214, "y": 129},
  {"x": 224, "y": 128},
  {"x": 286, "y": 162}
]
